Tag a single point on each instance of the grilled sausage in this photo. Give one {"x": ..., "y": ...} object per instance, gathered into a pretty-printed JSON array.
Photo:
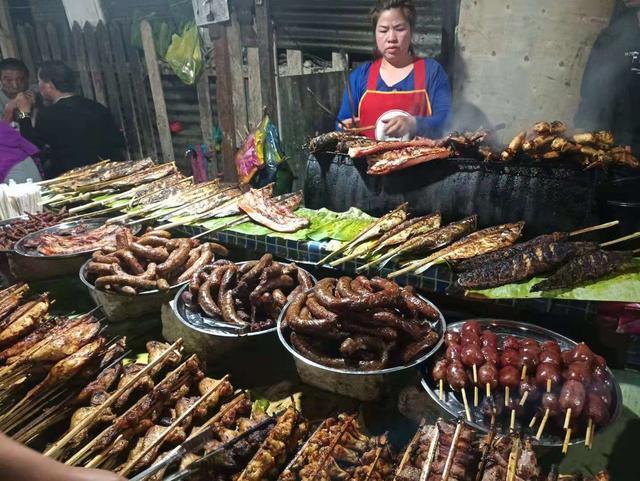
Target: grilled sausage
[
  {"x": 206, "y": 300},
  {"x": 153, "y": 241},
  {"x": 176, "y": 259},
  {"x": 417, "y": 306},
  {"x": 206, "y": 256},
  {"x": 130, "y": 261},
  {"x": 153, "y": 254}
]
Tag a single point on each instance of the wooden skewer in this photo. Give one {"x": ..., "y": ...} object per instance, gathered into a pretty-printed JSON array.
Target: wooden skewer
[
  {"x": 524, "y": 397},
  {"x": 441, "y": 389},
  {"x": 567, "y": 438},
  {"x": 452, "y": 451},
  {"x": 433, "y": 445},
  {"x": 524, "y": 372},
  {"x": 355, "y": 130},
  {"x": 567, "y": 418},
  {"x": 488, "y": 387},
  {"x": 103, "y": 455},
  {"x": 594, "y": 228},
  {"x": 157, "y": 442},
  {"x": 548, "y": 384},
  {"x": 466, "y": 404},
  {"x": 635, "y": 235},
  {"x": 587, "y": 437},
  {"x": 542, "y": 424},
  {"x": 410, "y": 448},
  {"x": 56, "y": 448},
  {"x": 476, "y": 395},
  {"x": 533, "y": 422},
  {"x": 512, "y": 424},
  {"x": 475, "y": 374},
  {"x": 514, "y": 456},
  {"x": 506, "y": 396}
]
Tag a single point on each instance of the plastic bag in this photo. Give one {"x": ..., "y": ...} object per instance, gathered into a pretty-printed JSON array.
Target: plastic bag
[
  {"x": 275, "y": 167},
  {"x": 184, "y": 55}
]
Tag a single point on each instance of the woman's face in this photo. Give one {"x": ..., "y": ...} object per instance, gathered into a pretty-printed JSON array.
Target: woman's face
[{"x": 393, "y": 34}]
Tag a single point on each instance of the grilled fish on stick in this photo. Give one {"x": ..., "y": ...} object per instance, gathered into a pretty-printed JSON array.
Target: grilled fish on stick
[
  {"x": 537, "y": 259},
  {"x": 585, "y": 268}
]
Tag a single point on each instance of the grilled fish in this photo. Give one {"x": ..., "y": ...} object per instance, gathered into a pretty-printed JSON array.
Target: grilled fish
[
  {"x": 408, "y": 229},
  {"x": 585, "y": 268},
  {"x": 537, "y": 259}
]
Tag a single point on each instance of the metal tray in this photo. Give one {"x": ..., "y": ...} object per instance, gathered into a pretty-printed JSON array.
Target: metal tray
[
  {"x": 439, "y": 325},
  {"x": 196, "y": 320},
  {"x": 503, "y": 328},
  {"x": 22, "y": 250}
]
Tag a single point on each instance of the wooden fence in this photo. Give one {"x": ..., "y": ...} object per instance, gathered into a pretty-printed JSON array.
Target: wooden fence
[{"x": 109, "y": 70}]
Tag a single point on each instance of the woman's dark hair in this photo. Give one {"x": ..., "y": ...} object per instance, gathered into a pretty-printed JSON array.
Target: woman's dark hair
[
  {"x": 408, "y": 11},
  {"x": 58, "y": 74}
]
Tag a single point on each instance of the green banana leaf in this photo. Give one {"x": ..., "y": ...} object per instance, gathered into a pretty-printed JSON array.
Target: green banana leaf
[{"x": 621, "y": 287}]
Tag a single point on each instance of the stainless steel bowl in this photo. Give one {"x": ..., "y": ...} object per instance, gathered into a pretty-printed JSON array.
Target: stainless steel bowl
[
  {"x": 210, "y": 338},
  {"x": 120, "y": 307},
  {"x": 29, "y": 265},
  {"x": 363, "y": 385},
  {"x": 455, "y": 407}
]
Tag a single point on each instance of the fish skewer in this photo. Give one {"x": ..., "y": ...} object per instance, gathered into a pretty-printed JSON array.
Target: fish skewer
[
  {"x": 378, "y": 227},
  {"x": 479, "y": 242}
]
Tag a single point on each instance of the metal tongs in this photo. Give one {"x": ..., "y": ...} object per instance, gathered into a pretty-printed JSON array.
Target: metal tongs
[{"x": 193, "y": 444}]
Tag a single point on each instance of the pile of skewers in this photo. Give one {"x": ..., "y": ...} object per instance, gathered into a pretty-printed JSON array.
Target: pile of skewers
[
  {"x": 360, "y": 324},
  {"x": 18, "y": 199},
  {"x": 550, "y": 141},
  {"x": 154, "y": 260},
  {"x": 247, "y": 297},
  {"x": 16, "y": 230},
  {"x": 539, "y": 380}
]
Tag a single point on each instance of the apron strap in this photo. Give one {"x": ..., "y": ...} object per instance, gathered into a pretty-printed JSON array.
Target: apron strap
[
  {"x": 420, "y": 74},
  {"x": 374, "y": 72}
]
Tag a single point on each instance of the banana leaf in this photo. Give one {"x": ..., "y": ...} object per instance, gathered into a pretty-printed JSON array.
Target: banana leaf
[{"x": 620, "y": 287}]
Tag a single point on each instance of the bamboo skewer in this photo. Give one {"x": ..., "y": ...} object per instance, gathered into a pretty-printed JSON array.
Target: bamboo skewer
[
  {"x": 565, "y": 444},
  {"x": 452, "y": 451},
  {"x": 157, "y": 442},
  {"x": 587, "y": 438},
  {"x": 533, "y": 422},
  {"x": 512, "y": 422},
  {"x": 441, "y": 390},
  {"x": 57, "y": 447},
  {"x": 103, "y": 455},
  {"x": 542, "y": 424},
  {"x": 635, "y": 235},
  {"x": 567, "y": 418},
  {"x": 594, "y": 228},
  {"x": 433, "y": 447},
  {"x": 524, "y": 397},
  {"x": 467, "y": 411},
  {"x": 410, "y": 447},
  {"x": 347, "y": 424},
  {"x": 514, "y": 456}
]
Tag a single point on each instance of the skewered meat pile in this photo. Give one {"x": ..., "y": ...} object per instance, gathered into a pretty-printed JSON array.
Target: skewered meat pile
[
  {"x": 80, "y": 238},
  {"x": 16, "y": 230},
  {"x": 508, "y": 457},
  {"x": 248, "y": 297},
  {"x": 339, "y": 450},
  {"x": 442, "y": 451},
  {"x": 360, "y": 324},
  {"x": 154, "y": 260},
  {"x": 521, "y": 378},
  {"x": 550, "y": 141}
]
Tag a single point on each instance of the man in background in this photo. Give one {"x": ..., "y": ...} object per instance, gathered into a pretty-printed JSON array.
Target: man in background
[
  {"x": 75, "y": 131},
  {"x": 611, "y": 82},
  {"x": 14, "y": 79}
]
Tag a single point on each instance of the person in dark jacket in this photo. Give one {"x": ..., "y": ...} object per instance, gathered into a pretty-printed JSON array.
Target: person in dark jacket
[
  {"x": 611, "y": 82},
  {"x": 75, "y": 131}
]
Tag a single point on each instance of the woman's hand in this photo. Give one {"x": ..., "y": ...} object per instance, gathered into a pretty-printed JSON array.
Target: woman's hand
[
  {"x": 351, "y": 123},
  {"x": 400, "y": 126}
]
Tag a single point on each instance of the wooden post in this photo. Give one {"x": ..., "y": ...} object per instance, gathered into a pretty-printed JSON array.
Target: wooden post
[
  {"x": 294, "y": 62},
  {"x": 162, "y": 119},
  {"x": 254, "y": 94},
  {"x": 337, "y": 61},
  {"x": 8, "y": 46},
  {"x": 264, "y": 33},
  {"x": 234, "y": 44},
  {"x": 206, "y": 117},
  {"x": 52, "y": 35},
  {"x": 25, "y": 51},
  {"x": 94, "y": 65},
  {"x": 83, "y": 63},
  {"x": 224, "y": 99}
]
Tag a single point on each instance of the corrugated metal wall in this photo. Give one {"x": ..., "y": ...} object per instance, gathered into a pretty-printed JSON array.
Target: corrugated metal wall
[{"x": 344, "y": 24}]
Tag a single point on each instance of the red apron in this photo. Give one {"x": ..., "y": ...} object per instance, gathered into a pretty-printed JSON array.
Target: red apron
[{"x": 374, "y": 103}]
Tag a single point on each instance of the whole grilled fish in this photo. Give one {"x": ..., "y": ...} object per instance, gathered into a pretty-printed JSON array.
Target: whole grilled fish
[
  {"x": 585, "y": 268},
  {"x": 430, "y": 240},
  {"x": 148, "y": 190},
  {"x": 379, "y": 227},
  {"x": 409, "y": 228},
  {"x": 476, "y": 243},
  {"x": 479, "y": 261},
  {"x": 537, "y": 259}
]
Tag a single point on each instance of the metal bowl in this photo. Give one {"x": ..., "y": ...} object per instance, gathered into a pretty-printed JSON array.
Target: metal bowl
[
  {"x": 29, "y": 265},
  {"x": 210, "y": 338},
  {"x": 120, "y": 307},
  {"x": 503, "y": 328},
  {"x": 363, "y": 385}
]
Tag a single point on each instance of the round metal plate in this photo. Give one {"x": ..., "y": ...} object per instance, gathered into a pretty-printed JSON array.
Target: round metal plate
[
  {"x": 61, "y": 228},
  {"x": 439, "y": 325},
  {"x": 195, "y": 319},
  {"x": 453, "y": 404}
]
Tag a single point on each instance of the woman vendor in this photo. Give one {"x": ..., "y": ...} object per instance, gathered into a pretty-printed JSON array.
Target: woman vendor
[{"x": 398, "y": 94}]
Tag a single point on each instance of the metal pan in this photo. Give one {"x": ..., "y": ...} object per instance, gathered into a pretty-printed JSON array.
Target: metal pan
[
  {"x": 120, "y": 307},
  {"x": 362, "y": 385},
  {"x": 503, "y": 328},
  {"x": 210, "y": 338}
]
